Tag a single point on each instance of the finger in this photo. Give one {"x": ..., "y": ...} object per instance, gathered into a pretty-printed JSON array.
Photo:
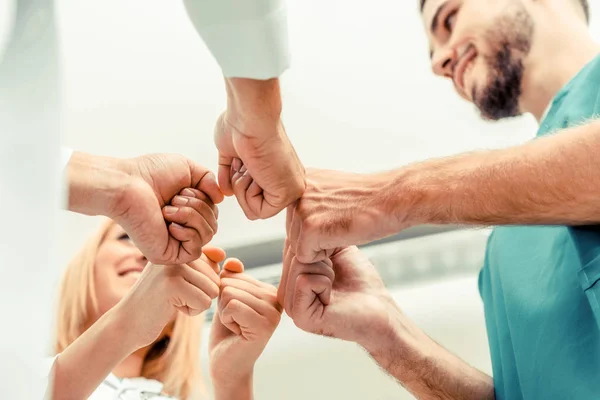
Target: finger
[
  {"x": 190, "y": 218},
  {"x": 204, "y": 180},
  {"x": 236, "y": 314},
  {"x": 262, "y": 307},
  {"x": 203, "y": 208},
  {"x": 236, "y": 165},
  {"x": 205, "y": 260},
  {"x": 250, "y": 285},
  {"x": 193, "y": 291},
  {"x": 208, "y": 185},
  {"x": 213, "y": 264},
  {"x": 307, "y": 247},
  {"x": 189, "y": 240},
  {"x": 256, "y": 200},
  {"x": 206, "y": 267},
  {"x": 289, "y": 217},
  {"x": 309, "y": 295},
  {"x": 247, "y": 278},
  {"x": 215, "y": 254},
  {"x": 191, "y": 192},
  {"x": 224, "y": 176},
  {"x": 295, "y": 226},
  {"x": 188, "y": 311},
  {"x": 287, "y": 260},
  {"x": 233, "y": 265},
  {"x": 241, "y": 182},
  {"x": 201, "y": 276},
  {"x": 297, "y": 268}
]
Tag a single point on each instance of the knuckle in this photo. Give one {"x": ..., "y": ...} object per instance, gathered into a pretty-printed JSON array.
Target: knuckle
[
  {"x": 226, "y": 294},
  {"x": 201, "y": 196},
  {"x": 207, "y": 236},
  {"x": 195, "y": 251},
  {"x": 194, "y": 312},
  {"x": 206, "y": 302},
  {"x": 213, "y": 291}
]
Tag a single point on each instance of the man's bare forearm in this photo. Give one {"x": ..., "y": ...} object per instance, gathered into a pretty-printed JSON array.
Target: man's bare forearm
[
  {"x": 426, "y": 369},
  {"x": 552, "y": 180}
]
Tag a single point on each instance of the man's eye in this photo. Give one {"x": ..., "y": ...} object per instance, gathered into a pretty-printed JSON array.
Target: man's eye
[{"x": 450, "y": 21}]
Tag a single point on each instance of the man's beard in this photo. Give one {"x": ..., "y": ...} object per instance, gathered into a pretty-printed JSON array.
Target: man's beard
[{"x": 500, "y": 96}]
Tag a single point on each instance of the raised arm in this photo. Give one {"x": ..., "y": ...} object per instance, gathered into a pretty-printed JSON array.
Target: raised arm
[
  {"x": 552, "y": 180},
  {"x": 249, "y": 40},
  {"x": 134, "y": 323}
]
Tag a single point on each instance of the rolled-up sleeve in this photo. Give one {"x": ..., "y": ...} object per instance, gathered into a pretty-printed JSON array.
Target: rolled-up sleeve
[{"x": 248, "y": 38}]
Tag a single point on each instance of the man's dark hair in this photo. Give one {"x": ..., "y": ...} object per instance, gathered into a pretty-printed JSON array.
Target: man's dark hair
[{"x": 584, "y": 4}]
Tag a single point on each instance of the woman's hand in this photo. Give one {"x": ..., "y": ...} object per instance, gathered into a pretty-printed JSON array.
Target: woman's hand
[
  {"x": 247, "y": 315},
  {"x": 163, "y": 290}
]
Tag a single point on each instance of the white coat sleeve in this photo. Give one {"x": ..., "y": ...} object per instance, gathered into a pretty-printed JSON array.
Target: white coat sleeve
[{"x": 248, "y": 38}]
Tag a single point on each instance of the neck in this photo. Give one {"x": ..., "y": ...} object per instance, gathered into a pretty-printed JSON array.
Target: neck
[
  {"x": 131, "y": 367},
  {"x": 566, "y": 49}
]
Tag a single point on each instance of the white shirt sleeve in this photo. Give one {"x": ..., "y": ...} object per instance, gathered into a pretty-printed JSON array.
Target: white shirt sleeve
[
  {"x": 248, "y": 38},
  {"x": 45, "y": 372},
  {"x": 65, "y": 156}
]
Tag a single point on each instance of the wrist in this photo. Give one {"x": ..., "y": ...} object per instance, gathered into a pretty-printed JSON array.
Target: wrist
[
  {"x": 118, "y": 324},
  {"x": 404, "y": 351},
  {"x": 233, "y": 388},
  {"x": 253, "y": 102},
  {"x": 119, "y": 320},
  {"x": 392, "y": 330},
  {"x": 393, "y": 202},
  {"x": 96, "y": 183}
]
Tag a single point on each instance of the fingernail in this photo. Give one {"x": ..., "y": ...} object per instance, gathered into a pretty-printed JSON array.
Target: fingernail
[
  {"x": 243, "y": 169},
  {"x": 178, "y": 201},
  {"x": 176, "y": 225},
  {"x": 170, "y": 210},
  {"x": 188, "y": 192}
]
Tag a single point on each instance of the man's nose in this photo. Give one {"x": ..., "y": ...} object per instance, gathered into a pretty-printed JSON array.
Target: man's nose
[{"x": 442, "y": 62}]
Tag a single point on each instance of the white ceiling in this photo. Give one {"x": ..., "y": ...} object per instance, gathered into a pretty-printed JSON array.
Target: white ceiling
[{"x": 359, "y": 97}]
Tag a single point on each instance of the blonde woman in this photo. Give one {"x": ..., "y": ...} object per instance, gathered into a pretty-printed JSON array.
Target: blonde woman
[{"x": 131, "y": 330}]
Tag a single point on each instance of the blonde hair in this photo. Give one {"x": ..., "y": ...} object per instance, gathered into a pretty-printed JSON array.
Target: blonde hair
[{"x": 174, "y": 360}]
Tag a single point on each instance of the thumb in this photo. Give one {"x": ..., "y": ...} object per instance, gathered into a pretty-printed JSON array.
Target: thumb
[
  {"x": 204, "y": 180},
  {"x": 311, "y": 298},
  {"x": 225, "y": 175},
  {"x": 218, "y": 331}
]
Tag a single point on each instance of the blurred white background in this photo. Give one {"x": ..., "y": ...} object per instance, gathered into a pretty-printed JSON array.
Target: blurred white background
[{"x": 360, "y": 97}]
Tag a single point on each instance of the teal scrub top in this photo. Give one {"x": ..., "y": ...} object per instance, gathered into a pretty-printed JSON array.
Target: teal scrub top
[{"x": 540, "y": 286}]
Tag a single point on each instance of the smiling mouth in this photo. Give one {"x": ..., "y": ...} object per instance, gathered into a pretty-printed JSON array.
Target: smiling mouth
[
  {"x": 135, "y": 272},
  {"x": 464, "y": 62}
]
